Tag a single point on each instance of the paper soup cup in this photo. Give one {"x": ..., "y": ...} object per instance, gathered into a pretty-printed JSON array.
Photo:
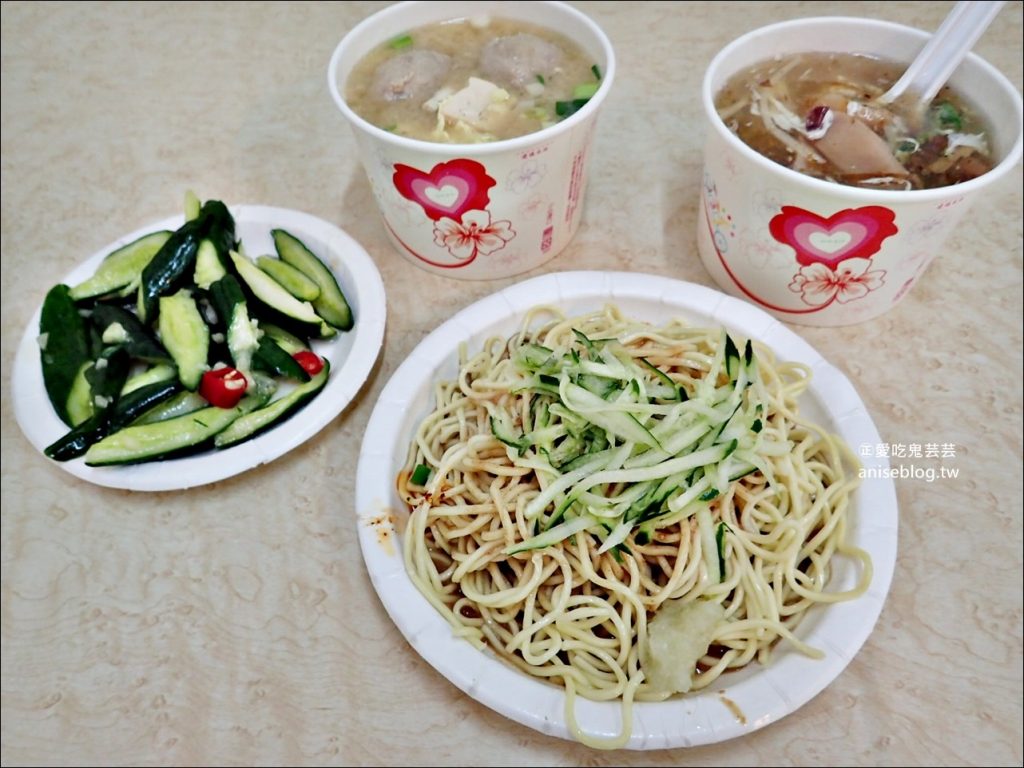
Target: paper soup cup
[
  {"x": 816, "y": 252},
  {"x": 477, "y": 211}
]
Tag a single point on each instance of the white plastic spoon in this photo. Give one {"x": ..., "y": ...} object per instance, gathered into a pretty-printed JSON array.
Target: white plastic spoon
[{"x": 942, "y": 54}]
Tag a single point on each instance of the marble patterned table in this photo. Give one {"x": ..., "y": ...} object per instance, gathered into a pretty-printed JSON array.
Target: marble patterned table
[{"x": 235, "y": 624}]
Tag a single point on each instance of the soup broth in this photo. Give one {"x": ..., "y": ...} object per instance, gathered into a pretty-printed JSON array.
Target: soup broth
[
  {"x": 817, "y": 113},
  {"x": 472, "y": 80}
]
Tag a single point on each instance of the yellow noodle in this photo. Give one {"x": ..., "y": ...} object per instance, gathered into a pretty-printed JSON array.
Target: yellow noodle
[{"x": 578, "y": 618}]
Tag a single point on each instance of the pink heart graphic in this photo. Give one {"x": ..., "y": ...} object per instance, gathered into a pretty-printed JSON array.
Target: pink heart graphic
[
  {"x": 449, "y": 190},
  {"x": 850, "y": 233}
]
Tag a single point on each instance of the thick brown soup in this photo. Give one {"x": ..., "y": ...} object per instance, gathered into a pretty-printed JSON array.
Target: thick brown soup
[
  {"x": 816, "y": 113},
  {"x": 472, "y": 80}
]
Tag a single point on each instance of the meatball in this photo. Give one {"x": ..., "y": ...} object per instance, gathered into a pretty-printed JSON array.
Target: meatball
[
  {"x": 413, "y": 74},
  {"x": 517, "y": 59}
]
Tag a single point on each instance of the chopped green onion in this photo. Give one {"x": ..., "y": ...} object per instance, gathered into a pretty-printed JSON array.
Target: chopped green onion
[
  {"x": 596, "y": 70},
  {"x": 402, "y": 41},
  {"x": 581, "y": 94},
  {"x": 420, "y": 475},
  {"x": 585, "y": 90},
  {"x": 540, "y": 79},
  {"x": 948, "y": 116},
  {"x": 566, "y": 108}
]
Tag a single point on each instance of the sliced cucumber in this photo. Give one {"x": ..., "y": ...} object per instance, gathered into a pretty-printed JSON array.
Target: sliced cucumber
[
  {"x": 289, "y": 342},
  {"x": 291, "y": 279},
  {"x": 209, "y": 268},
  {"x": 128, "y": 407},
  {"x": 331, "y": 304},
  {"x": 240, "y": 329},
  {"x": 178, "y": 405},
  {"x": 553, "y": 535},
  {"x": 537, "y": 357},
  {"x": 106, "y": 378},
  {"x": 169, "y": 270},
  {"x": 174, "y": 280},
  {"x": 270, "y": 357},
  {"x": 667, "y": 389},
  {"x": 270, "y": 292},
  {"x": 619, "y": 423},
  {"x": 502, "y": 427},
  {"x": 271, "y": 415},
  {"x": 173, "y": 266},
  {"x": 185, "y": 335},
  {"x": 119, "y": 326},
  {"x": 63, "y": 347},
  {"x": 80, "y": 407},
  {"x": 122, "y": 268},
  {"x": 166, "y": 439},
  {"x": 192, "y": 205},
  {"x": 151, "y": 375}
]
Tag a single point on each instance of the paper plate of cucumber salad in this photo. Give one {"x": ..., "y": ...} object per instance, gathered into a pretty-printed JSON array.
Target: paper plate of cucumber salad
[{"x": 229, "y": 332}]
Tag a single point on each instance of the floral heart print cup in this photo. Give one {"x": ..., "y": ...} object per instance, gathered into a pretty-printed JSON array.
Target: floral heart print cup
[
  {"x": 457, "y": 196},
  {"x": 814, "y": 251}
]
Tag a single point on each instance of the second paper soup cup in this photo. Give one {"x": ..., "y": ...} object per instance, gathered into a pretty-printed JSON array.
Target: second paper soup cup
[{"x": 815, "y": 252}]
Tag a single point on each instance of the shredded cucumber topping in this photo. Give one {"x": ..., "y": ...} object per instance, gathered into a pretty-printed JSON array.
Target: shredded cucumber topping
[{"x": 618, "y": 443}]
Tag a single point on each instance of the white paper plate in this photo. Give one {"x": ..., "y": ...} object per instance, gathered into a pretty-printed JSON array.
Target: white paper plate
[
  {"x": 740, "y": 702},
  {"x": 351, "y": 356}
]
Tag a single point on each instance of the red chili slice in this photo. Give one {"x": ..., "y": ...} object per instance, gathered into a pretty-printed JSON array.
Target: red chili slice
[
  {"x": 223, "y": 387},
  {"x": 309, "y": 361}
]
